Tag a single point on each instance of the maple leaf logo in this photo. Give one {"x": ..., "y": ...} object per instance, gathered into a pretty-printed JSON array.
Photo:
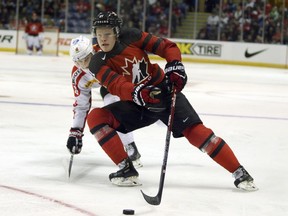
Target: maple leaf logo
[{"x": 138, "y": 68}]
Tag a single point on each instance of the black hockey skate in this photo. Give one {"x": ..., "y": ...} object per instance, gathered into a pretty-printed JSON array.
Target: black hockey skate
[
  {"x": 127, "y": 176},
  {"x": 243, "y": 180},
  {"x": 134, "y": 154}
]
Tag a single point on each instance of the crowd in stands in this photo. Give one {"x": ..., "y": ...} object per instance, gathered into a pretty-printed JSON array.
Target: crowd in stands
[
  {"x": 251, "y": 22},
  {"x": 79, "y": 14},
  {"x": 256, "y": 21},
  {"x": 157, "y": 16},
  {"x": 54, "y": 12}
]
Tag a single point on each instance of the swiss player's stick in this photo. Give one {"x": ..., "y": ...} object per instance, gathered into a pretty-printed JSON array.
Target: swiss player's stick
[
  {"x": 156, "y": 200},
  {"x": 70, "y": 165}
]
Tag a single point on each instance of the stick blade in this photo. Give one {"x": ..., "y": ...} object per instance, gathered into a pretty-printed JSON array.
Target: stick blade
[
  {"x": 70, "y": 165},
  {"x": 152, "y": 200}
]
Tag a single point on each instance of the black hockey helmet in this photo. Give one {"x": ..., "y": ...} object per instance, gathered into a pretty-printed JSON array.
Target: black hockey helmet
[{"x": 107, "y": 19}]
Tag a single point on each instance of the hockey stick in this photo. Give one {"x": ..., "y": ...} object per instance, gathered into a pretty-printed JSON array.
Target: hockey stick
[
  {"x": 70, "y": 165},
  {"x": 157, "y": 199}
]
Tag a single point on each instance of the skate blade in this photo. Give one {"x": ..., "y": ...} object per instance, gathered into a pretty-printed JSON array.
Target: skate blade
[
  {"x": 247, "y": 186},
  {"x": 126, "y": 182}
]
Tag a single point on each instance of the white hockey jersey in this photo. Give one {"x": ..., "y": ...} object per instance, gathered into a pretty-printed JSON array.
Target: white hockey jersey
[{"x": 82, "y": 82}]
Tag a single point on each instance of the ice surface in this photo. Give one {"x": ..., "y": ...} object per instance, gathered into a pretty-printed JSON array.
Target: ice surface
[{"x": 246, "y": 106}]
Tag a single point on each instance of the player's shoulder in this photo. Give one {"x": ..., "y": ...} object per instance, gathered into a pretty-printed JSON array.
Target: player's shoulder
[
  {"x": 74, "y": 70},
  {"x": 77, "y": 73},
  {"x": 130, "y": 35}
]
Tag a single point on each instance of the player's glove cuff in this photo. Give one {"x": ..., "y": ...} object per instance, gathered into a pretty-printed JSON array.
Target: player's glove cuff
[{"x": 175, "y": 72}]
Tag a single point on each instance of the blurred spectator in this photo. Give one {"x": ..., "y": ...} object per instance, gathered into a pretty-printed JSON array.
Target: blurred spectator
[
  {"x": 83, "y": 6},
  {"x": 183, "y": 8},
  {"x": 268, "y": 8},
  {"x": 270, "y": 31},
  {"x": 274, "y": 14},
  {"x": 190, "y": 4},
  {"x": 163, "y": 30},
  {"x": 202, "y": 35},
  {"x": 238, "y": 12},
  {"x": 213, "y": 21},
  {"x": 34, "y": 35},
  {"x": 213, "y": 18},
  {"x": 177, "y": 13},
  {"x": 4, "y": 18},
  {"x": 210, "y": 5}
]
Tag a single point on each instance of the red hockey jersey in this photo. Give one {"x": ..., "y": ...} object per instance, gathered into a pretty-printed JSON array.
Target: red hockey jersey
[
  {"x": 34, "y": 28},
  {"x": 128, "y": 64}
]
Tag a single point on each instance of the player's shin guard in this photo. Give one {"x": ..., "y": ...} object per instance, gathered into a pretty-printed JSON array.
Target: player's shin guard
[
  {"x": 107, "y": 137},
  {"x": 29, "y": 50},
  {"x": 204, "y": 139}
]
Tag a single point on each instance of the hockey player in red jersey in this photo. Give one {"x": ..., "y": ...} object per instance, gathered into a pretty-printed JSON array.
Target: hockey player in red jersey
[
  {"x": 124, "y": 68},
  {"x": 81, "y": 51},
  {"x": 34, "y": 35}
]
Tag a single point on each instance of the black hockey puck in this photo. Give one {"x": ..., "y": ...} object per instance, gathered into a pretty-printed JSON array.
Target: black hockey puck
[{"x": 128, "y": 211}]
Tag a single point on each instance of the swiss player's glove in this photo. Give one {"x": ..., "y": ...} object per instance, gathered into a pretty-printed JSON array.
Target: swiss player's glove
[
  {"x": 175, "y": 73},
  {"x": 74, "y": 142},
  {"x": 150, "y": 97}
]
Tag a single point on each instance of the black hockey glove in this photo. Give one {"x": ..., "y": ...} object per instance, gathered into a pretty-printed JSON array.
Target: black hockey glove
[
  {"x": 150, "y": 97},
  {"x": 74, "y": 142},
  {"x": 176, "y": 75}
]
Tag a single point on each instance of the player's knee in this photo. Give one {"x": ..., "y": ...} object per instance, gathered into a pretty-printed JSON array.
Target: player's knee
[
  {"x": 204, "y": 139},
  {"x": 197, "y": 134},
  {"x": 100, "y": 122},
  {"x": 97, "y": 118}
]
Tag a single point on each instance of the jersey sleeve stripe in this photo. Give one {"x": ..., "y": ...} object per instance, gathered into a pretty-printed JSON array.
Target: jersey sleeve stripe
[
  {"x": 156, "y": 45},
  {"x": 112, "y": 78},
  {"x": 146, "y": 41},
  {"x": 105, "y": 75}
]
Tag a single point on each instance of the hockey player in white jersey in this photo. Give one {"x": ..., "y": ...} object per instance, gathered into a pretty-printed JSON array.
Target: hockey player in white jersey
[{"x": 81, "y": 51}]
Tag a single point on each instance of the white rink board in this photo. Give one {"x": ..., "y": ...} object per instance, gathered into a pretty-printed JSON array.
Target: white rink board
[
  {"x": 195, "y": 50},
  {"x": 235, "y": 51}
]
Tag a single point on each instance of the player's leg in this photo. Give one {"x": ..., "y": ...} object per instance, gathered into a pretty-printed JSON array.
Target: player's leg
[
  {"x": 131, "y": 148},
  {"x": 29, "y": 44},
  {"x": 187, "y": 120},
  {"x": 102, "y": 125},
  {"x": 38, "y": 45},
  {"x": 128, "y": 138},
  {"x": 205, "y": 139}
]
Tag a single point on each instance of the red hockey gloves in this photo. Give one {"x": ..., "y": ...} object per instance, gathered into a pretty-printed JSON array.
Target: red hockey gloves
[
  {"x": 176, "y": 75},
  {"x": 150, "y": 97},
  {"x": 74, "y": 142}
]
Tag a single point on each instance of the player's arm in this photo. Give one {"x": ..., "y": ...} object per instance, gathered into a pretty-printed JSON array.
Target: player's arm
[
  {"x": 82, "y": 96},
  {"x": 174, "y": 69},
  {"x": 81, "y": 108},
  {"x": 159, "y": 46}
]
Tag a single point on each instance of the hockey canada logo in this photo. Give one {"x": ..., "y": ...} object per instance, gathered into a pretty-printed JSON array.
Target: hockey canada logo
[{"x": 138, "y": 68}]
